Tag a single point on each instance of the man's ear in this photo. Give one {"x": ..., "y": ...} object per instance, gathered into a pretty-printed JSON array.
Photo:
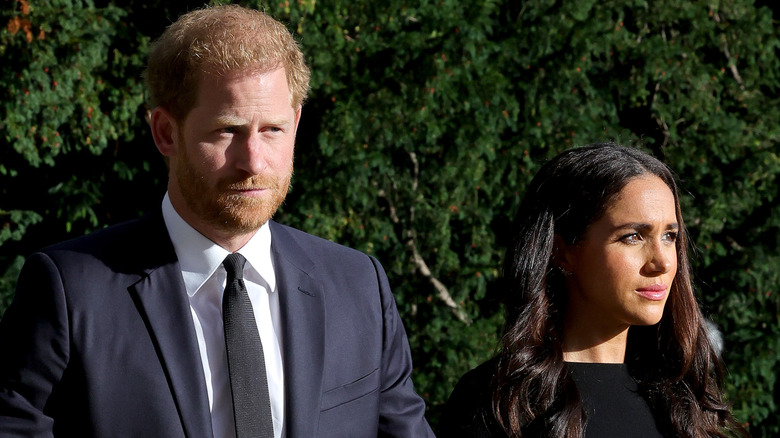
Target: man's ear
[
  {"x": 297, "y": 118},
  {"x": 164, "y": 131}
]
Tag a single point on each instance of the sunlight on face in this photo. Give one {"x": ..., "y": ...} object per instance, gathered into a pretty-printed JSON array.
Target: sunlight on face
[
  {"x": 235, "y": 154},
  {"x": 623, "y": 268}
]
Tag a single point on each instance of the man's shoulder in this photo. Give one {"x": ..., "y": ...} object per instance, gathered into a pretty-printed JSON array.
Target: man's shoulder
[
  {"x": 113, "y": 234},
  {"x": 313, "y": 244},
  {"x": 137, "y": 239}
]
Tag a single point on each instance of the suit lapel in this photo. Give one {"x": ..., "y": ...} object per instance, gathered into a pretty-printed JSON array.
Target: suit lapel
[
  {"x": 162, "y": 299},
  {"x": 303, "y": 325}
]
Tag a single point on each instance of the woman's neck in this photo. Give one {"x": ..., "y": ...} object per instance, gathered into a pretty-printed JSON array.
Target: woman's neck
[{"x": 587, "y": 341}]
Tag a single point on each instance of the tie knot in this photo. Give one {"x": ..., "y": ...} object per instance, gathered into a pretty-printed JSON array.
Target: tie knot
[{"x": 234, "y": 265}]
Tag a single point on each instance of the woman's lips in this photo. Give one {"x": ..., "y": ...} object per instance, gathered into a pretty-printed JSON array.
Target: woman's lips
[{"x": 654, "y": 292}]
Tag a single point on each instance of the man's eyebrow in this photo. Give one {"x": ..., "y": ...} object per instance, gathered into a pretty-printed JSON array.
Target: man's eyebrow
[{"x": 228, "y": 120}]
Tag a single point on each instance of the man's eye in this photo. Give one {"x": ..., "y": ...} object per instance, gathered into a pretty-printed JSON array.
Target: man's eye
[{"x": 228, "y": 130}]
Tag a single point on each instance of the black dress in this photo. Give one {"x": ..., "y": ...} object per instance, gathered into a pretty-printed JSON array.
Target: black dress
[{"x": 608, "y": 393}]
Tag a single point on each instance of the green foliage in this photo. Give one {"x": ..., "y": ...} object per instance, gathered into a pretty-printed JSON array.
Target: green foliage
[
  {"x": 417, "y": 130},
  {"x": 425, "y": 123},
  {"x": 432, "y": 118},
  {"x": 63, "y": 84},
  {"x": 71, "y": 99},
  {"x": 15, "y": 223}
]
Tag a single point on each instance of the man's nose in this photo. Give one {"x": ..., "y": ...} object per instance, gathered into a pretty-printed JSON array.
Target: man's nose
[{"x": 250, "y": 154}]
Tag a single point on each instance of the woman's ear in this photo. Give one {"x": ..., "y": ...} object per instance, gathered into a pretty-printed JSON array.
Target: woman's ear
[
  {"x": 164, "y": 131},
  {"x": 563, "y": 255}
]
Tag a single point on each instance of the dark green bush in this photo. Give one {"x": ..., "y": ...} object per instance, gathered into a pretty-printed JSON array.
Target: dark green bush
[{"x": 425, "y": 123}]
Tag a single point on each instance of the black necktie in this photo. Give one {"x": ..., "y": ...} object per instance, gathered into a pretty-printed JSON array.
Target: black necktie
[{"x": 246, "y": 365}]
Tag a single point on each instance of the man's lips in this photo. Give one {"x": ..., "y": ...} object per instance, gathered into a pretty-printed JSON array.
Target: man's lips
[
  {"x": 247, "y": 191},
  {"x": 247, "y": 186},
  {"x": 654, "y": 292}
]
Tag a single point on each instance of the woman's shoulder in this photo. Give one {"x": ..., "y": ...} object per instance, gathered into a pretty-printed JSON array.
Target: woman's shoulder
[
  {"x": 478, "y": 380},
  {"x": 469, "y": 412}
]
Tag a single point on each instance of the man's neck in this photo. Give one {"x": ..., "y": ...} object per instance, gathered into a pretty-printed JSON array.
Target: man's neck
[{"x": 230, "y": 239}]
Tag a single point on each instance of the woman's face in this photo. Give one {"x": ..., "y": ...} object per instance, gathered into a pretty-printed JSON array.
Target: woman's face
[{"x": 622, "y": 269}]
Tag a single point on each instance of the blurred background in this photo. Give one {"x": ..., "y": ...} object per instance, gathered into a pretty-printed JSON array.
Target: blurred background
[{"x": 426, "y": 121}]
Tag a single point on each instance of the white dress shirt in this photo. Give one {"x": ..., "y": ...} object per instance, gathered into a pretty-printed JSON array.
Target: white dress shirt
[{"x": 205, "y": 278}]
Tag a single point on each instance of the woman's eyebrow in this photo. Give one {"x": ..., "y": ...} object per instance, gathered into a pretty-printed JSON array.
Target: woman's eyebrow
[{"x": 644, "y": 226}]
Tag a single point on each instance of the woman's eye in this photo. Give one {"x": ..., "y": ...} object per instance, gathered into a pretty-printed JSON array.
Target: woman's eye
[
  {"x": 631, "y": 238},
  {"x": 670, "y": 236}
]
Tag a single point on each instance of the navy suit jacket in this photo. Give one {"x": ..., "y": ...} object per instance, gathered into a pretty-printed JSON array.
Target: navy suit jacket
[{"x": 99, "y": 341}]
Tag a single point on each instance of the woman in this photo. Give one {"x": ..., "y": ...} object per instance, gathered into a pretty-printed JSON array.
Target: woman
[{"x": 603, "y": 336}]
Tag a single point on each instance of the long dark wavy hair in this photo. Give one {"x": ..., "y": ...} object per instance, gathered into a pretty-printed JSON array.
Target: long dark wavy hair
[{"x": 677, "y": 370}]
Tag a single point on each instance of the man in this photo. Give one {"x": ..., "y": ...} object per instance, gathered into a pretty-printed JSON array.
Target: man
[{"x": 120, "y": 333}]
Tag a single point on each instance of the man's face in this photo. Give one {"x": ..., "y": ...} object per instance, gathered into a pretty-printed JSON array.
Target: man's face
[{"x": 232, "y": 157}]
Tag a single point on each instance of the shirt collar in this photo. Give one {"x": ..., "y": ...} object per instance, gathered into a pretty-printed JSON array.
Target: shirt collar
[{"x": 199, "y": 257}]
